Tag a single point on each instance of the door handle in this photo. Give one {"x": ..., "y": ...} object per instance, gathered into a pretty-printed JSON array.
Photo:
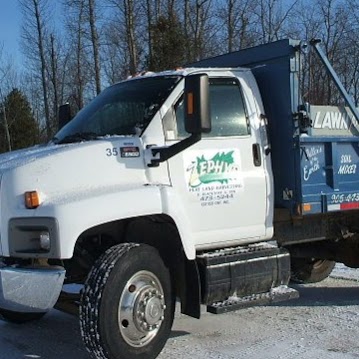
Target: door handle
[{"x": 257, "y": 159}]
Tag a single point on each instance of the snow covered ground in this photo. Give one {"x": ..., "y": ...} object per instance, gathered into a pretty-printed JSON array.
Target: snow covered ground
[
  {"x": 322, "y": 324},
  {"x": 341, "y": 271}
]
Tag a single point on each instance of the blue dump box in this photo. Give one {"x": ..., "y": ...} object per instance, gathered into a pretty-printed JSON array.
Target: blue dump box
[{"x": 315, "y": 153}]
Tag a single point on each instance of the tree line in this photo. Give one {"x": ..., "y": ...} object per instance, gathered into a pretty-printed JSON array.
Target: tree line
[{"x": 74, "y": 48}]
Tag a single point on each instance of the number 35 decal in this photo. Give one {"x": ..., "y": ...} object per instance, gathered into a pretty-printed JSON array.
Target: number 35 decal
[
  {"x": 125, "y": 152},
  {"x": 112, "y": 152}
]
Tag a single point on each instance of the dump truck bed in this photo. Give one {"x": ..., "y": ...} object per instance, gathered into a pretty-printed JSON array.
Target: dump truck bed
[{"x": 315, "y": 167}]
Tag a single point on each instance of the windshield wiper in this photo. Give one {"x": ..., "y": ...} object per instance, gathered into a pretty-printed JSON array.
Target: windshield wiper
[{"x": 77, "y": 137}]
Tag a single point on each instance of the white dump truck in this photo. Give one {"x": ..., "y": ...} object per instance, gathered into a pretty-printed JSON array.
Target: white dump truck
[{"x": 213, "y": 185}]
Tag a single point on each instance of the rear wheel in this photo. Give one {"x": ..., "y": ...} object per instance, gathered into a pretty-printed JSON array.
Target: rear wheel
[
  {"x": 306, "y": 270},
  {"x": 19, "y": 317},
  {"x": 127, "y": 306}
]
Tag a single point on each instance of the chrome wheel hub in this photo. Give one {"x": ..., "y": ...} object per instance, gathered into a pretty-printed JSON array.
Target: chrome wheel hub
[{"x": 141, "y": 309}]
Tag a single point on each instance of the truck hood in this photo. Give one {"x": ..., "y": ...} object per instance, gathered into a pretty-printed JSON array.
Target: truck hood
[
  {"x": 19, "y": 158},
  {"x": 74, "y": 170}
]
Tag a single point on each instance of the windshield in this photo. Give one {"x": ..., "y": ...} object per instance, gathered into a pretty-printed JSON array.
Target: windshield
[{"x": 122, "y": 109}]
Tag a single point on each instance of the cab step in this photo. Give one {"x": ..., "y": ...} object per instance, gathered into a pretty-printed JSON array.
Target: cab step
[{"x": 276, "y": 294}]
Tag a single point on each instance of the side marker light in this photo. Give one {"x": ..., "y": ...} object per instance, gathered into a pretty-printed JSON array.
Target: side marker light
[{"x": 32, "y": 199}]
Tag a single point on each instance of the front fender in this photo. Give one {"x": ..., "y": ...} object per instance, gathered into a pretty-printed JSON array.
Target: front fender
[
  {"x": 172, "y": 206},
  {"x": 78, "y": 212},
  {"x": 77, "y": 215}
]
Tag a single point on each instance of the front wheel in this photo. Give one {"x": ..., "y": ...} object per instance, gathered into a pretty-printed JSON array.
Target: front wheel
[
  {"x": 306, "y": 270},
  {"x": 127, "y": 305}
]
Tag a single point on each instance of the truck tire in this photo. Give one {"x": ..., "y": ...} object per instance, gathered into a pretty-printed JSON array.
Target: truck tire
[
  {"x": 127, "y": 305},
  {"x": 19, "y": 317},
  {"x": 310, "y": 270}
]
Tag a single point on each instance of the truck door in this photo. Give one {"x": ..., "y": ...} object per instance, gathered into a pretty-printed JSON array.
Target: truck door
[{"x": 221, "y": 180}]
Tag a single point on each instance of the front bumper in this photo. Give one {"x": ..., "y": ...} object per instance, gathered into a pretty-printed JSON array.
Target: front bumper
[{"x": 30, "y": 289}]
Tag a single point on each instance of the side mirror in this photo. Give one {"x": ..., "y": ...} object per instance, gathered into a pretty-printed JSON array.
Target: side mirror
[
  {"x": 197, "y": 110},
  {"x": 197, "y": 118},
  {"x": 64, "y": 115}
]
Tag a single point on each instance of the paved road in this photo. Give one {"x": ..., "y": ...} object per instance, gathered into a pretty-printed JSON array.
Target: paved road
[{"x": 322, "y": 324}]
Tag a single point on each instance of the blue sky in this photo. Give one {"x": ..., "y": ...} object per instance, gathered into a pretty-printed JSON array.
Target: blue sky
[{"x": 10, "y": 22}]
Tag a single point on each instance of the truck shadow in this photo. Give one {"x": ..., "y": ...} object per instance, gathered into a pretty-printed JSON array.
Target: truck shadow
[
  {"x": 55, "y": 336},
  {"x": 323, "y": 296}
]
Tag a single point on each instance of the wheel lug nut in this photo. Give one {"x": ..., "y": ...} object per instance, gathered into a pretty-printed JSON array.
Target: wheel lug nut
[
  {"x": 162, "y": 317},
  {"x": 164, "y": 306}
]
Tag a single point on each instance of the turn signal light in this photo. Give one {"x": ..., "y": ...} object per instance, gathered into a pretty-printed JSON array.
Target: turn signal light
[
  {"x": 190, "y": 104},
  {"x": 32, "y": 199}
]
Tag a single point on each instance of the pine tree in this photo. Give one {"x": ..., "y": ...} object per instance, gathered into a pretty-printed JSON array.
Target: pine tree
[
  {"x": 23, "y": 129},
  {"x": 168, "y": 44}
]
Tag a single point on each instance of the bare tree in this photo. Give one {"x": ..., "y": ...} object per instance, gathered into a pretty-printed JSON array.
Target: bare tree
[
  {"x": 34, "y": 33},
  {"x": 8, "y": 81},
  {"x": 2, "y": 102},
  {"x": 333, "y": 22},
  {"x": 149, "y": 13},
  {"x": 126, "y": 22},
  {"x": 333, "y": 33},
  {"x": 53, "y": 75},
  {"x": 115, "y": 59},
  {"x": 200, "y": 28},
  {"x": 153, "y": 10},
  {"x": 130, "y": 34},
  {"x": 273, "y": 16},
  {"x": 95, "y": 43},
  {"x": 3, "y": 112},
  {"x": 78, "y": 58},
  {"x": 5, "y": 121},
  {"x": 351, "y": 51},
  {"x": 238, "y": 17},
  {"x": 306, "y": 27},
  {"x": 32, "y": 88}
]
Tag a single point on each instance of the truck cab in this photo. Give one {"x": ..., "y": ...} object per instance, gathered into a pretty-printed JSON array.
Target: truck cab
[
  {"x": 223, "y": 184},
  {"x": 221, "y": 187}
]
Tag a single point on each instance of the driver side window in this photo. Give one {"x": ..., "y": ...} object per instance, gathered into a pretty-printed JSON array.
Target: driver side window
[{"x": 228, "y": 113}]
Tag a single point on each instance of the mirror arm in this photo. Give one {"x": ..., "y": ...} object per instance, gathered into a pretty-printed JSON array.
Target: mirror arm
[{"x": 166, "y": 153}]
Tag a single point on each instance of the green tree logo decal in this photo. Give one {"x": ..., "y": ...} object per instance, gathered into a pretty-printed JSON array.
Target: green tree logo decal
[{"x": 220, "y": 168}]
